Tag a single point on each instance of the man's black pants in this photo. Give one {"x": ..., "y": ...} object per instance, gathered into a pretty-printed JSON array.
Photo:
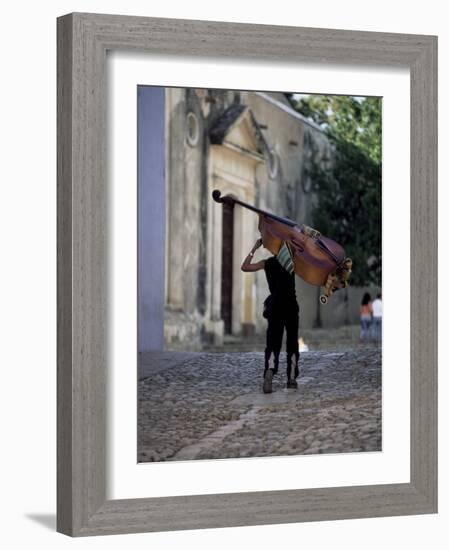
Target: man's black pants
[{"x": 289, "y": 321}]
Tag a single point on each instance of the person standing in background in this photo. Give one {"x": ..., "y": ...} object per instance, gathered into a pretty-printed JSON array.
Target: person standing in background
[
  {"x": 366, "y": 312},
  {"x": 377, "y": 319}
]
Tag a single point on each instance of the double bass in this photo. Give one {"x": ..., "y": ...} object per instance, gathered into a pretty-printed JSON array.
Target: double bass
[{"x": 317, "y": 259}]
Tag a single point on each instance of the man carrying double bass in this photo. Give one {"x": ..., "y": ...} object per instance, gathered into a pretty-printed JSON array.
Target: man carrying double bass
[
  {"x": 297, "y": 249},
  {"x": 281, "y": 311}
]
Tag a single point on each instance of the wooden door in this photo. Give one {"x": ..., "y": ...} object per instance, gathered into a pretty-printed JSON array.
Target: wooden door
[{"x": 226, "y": 267}]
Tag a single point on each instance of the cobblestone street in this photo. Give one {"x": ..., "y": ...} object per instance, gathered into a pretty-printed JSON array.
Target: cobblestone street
[{"x": 211, "y": 405}]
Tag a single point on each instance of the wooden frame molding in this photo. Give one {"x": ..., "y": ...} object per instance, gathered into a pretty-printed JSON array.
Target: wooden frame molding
[{"x": 83, "y": 40}]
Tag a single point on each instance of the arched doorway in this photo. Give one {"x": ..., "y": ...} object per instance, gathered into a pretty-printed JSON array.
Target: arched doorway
[{"x": 233, "y": 157}]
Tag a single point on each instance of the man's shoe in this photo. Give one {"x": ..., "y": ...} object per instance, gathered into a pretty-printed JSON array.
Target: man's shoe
[
  {"x": 292, "y": 384},
  {"x": 267, "y": 381},
  {"x": 296, "y": 371}
]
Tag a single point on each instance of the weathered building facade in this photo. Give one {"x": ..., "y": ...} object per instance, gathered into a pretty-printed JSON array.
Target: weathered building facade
[{"x": 257, "y": 147}]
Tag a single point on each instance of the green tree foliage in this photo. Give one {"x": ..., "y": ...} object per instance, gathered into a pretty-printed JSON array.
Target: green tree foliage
[{"x": 348, "y": 189}]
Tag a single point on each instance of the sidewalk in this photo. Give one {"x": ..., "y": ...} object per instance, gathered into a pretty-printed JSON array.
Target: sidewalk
[{"x": 211, "y": 405}]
